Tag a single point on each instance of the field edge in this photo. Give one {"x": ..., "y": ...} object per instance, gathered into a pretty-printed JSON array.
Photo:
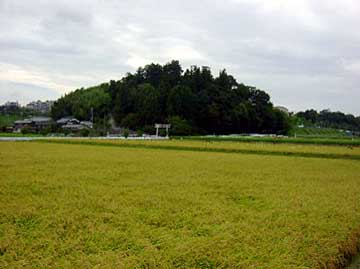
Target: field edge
[{"x": 202, "y": 149}]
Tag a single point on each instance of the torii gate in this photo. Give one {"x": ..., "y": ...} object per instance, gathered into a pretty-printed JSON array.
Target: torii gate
[{"x": 162, "y": 126}]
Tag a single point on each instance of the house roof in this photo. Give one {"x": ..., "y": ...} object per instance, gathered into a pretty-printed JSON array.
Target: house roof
[
  {"x": 87, "y": 123},
  {"x": 74, "y": 126},
  {"x": 40, "y": 119},
  {"x": 25, "y": 121},
  {"x": 66, "y": 120}
]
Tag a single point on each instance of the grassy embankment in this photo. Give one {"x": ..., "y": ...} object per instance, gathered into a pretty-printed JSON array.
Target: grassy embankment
[
  {"x": 346, "y": 141},
  {"x": 19, "y": 135},
  {"x": 313, "y": 132},
  {"x": 95, "y": 206},
  {"x": 291, "y": 150}
]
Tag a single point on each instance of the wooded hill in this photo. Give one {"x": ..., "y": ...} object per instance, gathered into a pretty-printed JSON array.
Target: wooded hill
[{"x": 194, "y": 102}]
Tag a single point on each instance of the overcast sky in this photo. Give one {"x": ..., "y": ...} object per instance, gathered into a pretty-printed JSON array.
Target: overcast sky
[{"x": 304, "y": 53}]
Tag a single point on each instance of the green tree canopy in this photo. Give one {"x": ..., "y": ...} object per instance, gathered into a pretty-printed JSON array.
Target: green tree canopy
[{"x": 195, "y": 100}]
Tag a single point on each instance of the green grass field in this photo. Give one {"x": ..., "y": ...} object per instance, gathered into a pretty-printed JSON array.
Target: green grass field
[{"x": 107, "y": 206}]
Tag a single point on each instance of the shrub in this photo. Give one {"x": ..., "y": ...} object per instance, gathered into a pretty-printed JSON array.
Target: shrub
[
  {"x": 179, "y": 126},
  {"x": 126, "y": 133},
  {"x": 26, "y": 130},
  {"x": 139, "y": 133},
  {"x": 45, "y": 131},
  {"x": 85, "y": 132}
]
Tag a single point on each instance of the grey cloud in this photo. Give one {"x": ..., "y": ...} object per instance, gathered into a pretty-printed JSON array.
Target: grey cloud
[
  {"x": 19, "y": 92},
  {"x": 304, "y": 53}
]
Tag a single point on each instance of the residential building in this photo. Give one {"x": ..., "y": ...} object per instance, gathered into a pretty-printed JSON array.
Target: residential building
[
  {"x": 40, "y": 106},
  {"x": 73, "y": 124},
  {"x": 34, "y": 124},
  {"x": 12, "y": 105}
]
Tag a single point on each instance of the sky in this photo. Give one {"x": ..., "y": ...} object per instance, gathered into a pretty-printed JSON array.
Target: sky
[{"x": 304, "y": 53}]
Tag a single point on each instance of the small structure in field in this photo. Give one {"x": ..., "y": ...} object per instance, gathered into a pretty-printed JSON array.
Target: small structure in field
[{"x": 162, "y": 126}]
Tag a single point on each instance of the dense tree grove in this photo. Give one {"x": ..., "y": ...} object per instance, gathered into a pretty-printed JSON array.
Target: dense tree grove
[
  {"x": 328, "y": 119},
  {"x": 194, "y": 102},
  {"x": 80, "y": 102}
]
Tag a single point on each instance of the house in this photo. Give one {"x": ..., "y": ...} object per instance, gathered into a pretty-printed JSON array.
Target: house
[
  {"x": 87, "y": 124},
  {"x": 73, "y": 124},
  {"x": 77, "y": 127},
  {"x": 41, "y": 121},
  {"x": 21, "y": 124},
  {"x": 34, "y": 124},
  {"x": 67, "y": 120}
]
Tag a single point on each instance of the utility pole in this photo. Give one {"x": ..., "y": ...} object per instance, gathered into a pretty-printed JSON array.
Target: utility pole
[
  {"x": 92, "y": 115},
  {"x": 104, "y": 125}
]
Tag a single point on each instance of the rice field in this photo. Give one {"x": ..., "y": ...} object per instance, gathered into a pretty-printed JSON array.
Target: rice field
[
  {"x": 85, "y": 206},
  {"x": 318, "y": 151},
  {"x": 294, "y": 148}
]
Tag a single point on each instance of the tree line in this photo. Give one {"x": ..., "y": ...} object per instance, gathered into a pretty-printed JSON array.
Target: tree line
[
  {"x": 193, "y": 101},
  {"x": 329, "y": 119}
]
